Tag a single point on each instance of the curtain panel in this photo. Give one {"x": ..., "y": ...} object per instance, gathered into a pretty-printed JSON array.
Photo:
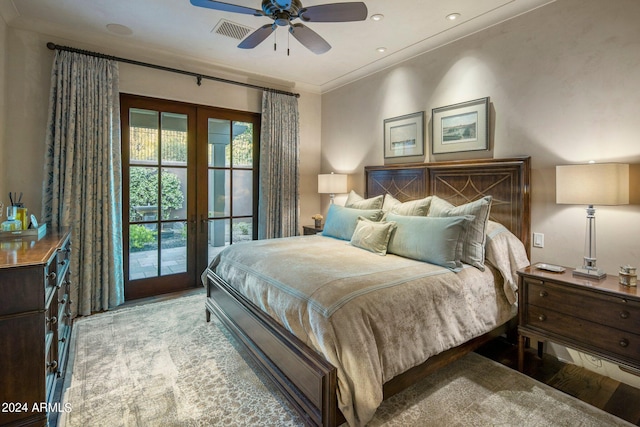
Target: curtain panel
[
  {"x": 82, "y": 188},
  {"x": 278, "y": 199}
]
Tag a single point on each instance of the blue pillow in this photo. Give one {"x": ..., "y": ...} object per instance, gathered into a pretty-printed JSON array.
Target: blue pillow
[
  {"x": 436, "y": 240},
  {"x": 341, "y": 222}
]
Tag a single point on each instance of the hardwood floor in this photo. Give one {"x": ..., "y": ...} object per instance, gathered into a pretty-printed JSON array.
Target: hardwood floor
[{"x": 602, "y": 392}]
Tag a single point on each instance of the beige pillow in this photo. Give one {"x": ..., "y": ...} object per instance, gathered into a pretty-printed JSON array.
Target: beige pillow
[
  {"x": 473, "y": 250},
  {"x": 411, "y": 208},
  {"x": 372, "y": 236},
  {"x": 356, "y": 201}
]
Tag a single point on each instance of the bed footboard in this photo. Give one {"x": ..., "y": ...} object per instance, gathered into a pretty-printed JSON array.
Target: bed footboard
[{"x": 305, "y": 378}]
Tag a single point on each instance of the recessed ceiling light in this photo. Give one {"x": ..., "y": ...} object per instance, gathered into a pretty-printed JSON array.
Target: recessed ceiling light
[
  {"x": 453, "y": 16},
  {"x": 377, "y": 17},
  {"x": 120, "y": 30},
  {"x": 381, "y": 49}
]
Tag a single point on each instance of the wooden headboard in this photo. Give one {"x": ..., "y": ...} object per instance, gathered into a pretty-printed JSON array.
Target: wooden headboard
[{"x": 459, "y": 182}]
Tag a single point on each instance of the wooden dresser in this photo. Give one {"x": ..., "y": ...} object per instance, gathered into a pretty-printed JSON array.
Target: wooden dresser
[
  {"x": 35, "y": 326},
  {"x": 599, "y": 317}
]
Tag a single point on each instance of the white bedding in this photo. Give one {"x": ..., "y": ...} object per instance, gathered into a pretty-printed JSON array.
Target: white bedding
[{"x": 372, "y": 317}]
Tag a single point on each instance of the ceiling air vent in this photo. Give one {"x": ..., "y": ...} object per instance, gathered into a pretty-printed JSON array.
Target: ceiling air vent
[{"x": 231, "y": 29}]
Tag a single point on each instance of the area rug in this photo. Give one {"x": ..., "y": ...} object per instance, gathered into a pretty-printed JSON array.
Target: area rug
[{"x": 161, "y": 364}]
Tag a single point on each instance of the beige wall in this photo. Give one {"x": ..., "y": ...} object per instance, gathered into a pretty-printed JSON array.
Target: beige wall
[
  {"x": 29, "y": 74},
  {"x": 563, "y": 82},
  {"x": 3, "y": 127}
]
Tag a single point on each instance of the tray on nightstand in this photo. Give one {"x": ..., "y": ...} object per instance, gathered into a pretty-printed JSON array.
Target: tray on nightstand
[{"x": 37, "y": 233}]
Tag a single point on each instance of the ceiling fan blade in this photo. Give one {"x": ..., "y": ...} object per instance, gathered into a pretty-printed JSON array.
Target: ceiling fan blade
[
  {"x": 309, "y": 39},
  {"x": 257, "y": 37},
  {"x": 334, "y": 12},
  {"x": 226, "y": 7}
]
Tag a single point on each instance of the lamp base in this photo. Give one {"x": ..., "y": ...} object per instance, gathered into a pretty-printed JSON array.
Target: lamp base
[{"x": 591, "y": 273}]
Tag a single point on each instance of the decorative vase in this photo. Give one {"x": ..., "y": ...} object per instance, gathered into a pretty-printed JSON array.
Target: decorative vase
[{"x": 318, "y": 223}]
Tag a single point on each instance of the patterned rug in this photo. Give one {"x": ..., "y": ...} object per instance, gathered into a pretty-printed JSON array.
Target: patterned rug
[{"x": 161, "y": 364}]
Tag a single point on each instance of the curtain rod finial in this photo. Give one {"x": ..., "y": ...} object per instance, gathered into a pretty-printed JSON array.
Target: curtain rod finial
[{"x": 51, "y": 46}]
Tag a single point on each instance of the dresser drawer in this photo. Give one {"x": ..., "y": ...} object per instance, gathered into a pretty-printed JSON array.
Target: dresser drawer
[
  {"x": 588, "y": 334},
  {"x": 613, "y": 311},
  {"x": 50, "y": 277},
  {"x": 62, "y": 261}
]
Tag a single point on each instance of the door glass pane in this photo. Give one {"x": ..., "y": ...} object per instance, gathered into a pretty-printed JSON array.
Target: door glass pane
[
  {"x": 173, "y": 196},
  {"x": 143, "y": 193},
  {"x": 173, "y": 254},
  {"x": 174, "y": 139},
  {"x": 242, "y": 229},
  {"x": 143, "y": 251},
  {"x": 219, "y": 185},
  {"x": 242, "y": 192},
  {"x": 143, "y": 136},
  {"x": 219, "y": 138},
  {"x": 242, "y": 145},
  {"x": 218, "y": 236}
]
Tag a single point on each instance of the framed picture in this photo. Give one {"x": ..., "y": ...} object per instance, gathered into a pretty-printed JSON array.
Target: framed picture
[
  {"x": 461, "y": 127},
  {"x": 404, "y": 136}
]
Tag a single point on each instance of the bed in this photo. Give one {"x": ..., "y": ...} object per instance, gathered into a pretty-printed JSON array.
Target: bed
[{"x": 298, "y": 347}]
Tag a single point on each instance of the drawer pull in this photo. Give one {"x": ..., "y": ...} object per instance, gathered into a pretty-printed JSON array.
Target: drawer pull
[
  {"x": 542, "y": 318},
  {"x": 53, "y": 320},
  {"x": 52, "y": 276},
  {"x": 52, "y": 365},
  {"x": 543, "y": 293},
  {"x": 624, "y": 342},
  {"x": 62, "y": 301},
  {"x": 624, "y": 314}
]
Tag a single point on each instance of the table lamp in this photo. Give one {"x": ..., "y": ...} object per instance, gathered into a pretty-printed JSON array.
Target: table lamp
[
  {"x": 592, "y": 184},
  {"x": 332, "y": 183}
]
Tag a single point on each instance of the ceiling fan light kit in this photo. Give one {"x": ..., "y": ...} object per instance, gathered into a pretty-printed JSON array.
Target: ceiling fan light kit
[{"x": 284, "y": 12}]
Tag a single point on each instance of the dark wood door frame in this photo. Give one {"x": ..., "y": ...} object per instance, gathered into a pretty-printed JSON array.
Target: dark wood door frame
[{"x": 196, "y": 197}]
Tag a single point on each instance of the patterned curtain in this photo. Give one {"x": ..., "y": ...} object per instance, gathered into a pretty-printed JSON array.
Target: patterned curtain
[
  {"x": 279, "y": 152},
  {"x": 82, "y": 188}
]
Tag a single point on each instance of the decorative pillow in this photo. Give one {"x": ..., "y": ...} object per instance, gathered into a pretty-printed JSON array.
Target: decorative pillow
[
  {"x": 473, "y": 245},
  {"x": 436, "y": 240},
  {"x": 372, "y": 236},
  {"x": 341, "y": 221},
  {"x": 356, "y": 201},
  {"x": 410, "y": 208}
]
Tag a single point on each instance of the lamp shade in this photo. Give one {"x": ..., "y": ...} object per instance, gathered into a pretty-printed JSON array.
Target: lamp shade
[
  {"x": 593, "y": 184},
  {"x": 332, "y": 183}
]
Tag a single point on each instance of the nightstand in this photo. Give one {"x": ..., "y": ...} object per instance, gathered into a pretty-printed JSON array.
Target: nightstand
[
  {"x": 309, "y": 230},
  {"x": 601, "y": 318}
]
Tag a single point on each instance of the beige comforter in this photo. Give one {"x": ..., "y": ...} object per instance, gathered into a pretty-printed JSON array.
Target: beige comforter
[{"x": 372, "y": 317}]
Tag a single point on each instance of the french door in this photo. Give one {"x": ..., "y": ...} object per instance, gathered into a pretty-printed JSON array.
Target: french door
[{"x": 189, "y": 179}]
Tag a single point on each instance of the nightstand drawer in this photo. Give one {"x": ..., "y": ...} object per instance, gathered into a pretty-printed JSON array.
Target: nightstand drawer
[
  {"x": 599, "y": 317},
  {"x": 588, "y": 334},
  {"x": 608, "y": 310}
]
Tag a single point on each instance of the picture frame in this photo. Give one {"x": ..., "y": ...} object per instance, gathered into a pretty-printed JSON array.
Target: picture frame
[
  {"x": 404, "y": 136},
  {"x": 461, "y": 127}
]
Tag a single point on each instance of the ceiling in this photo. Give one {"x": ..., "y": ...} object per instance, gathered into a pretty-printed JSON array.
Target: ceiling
[{"x": 174, "y": 31}]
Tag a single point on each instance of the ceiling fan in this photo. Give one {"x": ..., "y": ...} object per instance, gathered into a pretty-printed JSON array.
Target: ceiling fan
[{"x": 284, "y": 12}]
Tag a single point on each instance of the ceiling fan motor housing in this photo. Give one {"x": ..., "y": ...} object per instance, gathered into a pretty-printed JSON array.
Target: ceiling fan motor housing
[{"x": 281, "y": 10}]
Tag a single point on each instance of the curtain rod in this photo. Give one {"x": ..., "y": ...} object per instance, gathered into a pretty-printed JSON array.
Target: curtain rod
[{"x": 198, "y": 77}]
